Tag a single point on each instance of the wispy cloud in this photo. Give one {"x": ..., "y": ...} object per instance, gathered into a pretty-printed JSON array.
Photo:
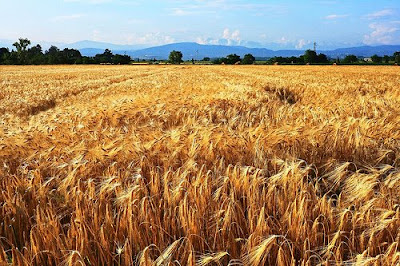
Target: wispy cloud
[
  {"x": 228, "y": 37},
  {"x": 154, "y": 38},
  {"x": 383, "y": 33},
  {"x": 180, "y": 12},
  {"x": 381, "y": 14},
  {"x": 206, "y": 6},
  {"x": 335, "y": 16},
  {"x": 301, "y": 43}
]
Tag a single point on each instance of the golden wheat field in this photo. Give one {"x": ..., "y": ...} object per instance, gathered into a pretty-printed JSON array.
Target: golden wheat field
[{"x": 199, "y": 165}]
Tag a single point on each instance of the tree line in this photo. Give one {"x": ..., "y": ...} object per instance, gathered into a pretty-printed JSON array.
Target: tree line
[
  {"x": 175, "y": 57},
  {"x": 309, "y": 57},
  {"x": 25, "y": 54}
]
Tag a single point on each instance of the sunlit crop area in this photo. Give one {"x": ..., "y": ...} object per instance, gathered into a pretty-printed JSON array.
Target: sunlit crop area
[{"x": 199, "y": 165}]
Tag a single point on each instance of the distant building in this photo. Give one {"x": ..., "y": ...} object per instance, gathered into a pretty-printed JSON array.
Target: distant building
[{"x": 368, "y": 59}]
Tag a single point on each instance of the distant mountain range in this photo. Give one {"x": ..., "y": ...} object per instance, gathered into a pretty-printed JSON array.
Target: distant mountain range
[
  {"x": 88, "y": 46},
  {"x": 198, "y": 51}
]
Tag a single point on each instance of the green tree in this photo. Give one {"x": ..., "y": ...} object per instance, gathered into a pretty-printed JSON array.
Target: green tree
[
  {"x": 219, "y": 61},
  {"x": 396, "y": 56},
  {"x": 35, "y": 55},
  {"x": 310, "y": 56},
  {"x": 248, "y": 59},
  {"x": 175, "y": 57},
  {"x": 105, "y": 58},
  {"x": 376, "y": 59},
  {"x": 121, "y": 59},
  {"x": 322, "y": 58},
  {"x": 232, "y": 59},
  {"x": 108, "y": 55},
  {"x": 53, "y": 55},
  {"x": 206, "y": 59},
  {"x": 71, "y": 56},
  {"x": 4, "y": 54},
  {"x": 350, "y": 59},
  {"x": 386, "y": 59},
  {"x": 86, "y": 60},
  {"x": 294, "y": 60},
  {"x": 21, "y": 47}
]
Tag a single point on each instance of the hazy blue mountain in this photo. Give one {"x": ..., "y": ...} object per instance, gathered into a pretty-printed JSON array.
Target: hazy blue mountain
[
  {"x": 365, "y": 51},
  {"x": 198, "y": 51},
  {"x": 92, "y": 51},
  {"x": 102, "y": 46}
]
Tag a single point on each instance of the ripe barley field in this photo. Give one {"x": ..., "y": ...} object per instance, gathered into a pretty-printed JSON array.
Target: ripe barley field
[{"x": 199, "y": 165}]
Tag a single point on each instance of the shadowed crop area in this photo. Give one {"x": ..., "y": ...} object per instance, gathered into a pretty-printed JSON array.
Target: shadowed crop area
[{"x": 199, "y": 165}]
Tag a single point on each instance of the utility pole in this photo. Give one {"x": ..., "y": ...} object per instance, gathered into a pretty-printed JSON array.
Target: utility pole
[{"x": 315, "y": 47}]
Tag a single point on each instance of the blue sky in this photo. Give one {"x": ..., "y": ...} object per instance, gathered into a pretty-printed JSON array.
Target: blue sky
[{"x": 271, "y": 24}]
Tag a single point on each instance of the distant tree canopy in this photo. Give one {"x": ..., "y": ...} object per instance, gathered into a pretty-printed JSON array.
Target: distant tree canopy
[
  {"x": 121, "y": 59},
  {"x": 311, "y": 57},
  {"x": 287, "y": 60},
  {"x": 248, "y": 59},
  {"x": 26, "y": 55},
  {"x": 21, "y": 47},
  {"x": 105, "y": 57},
  {"x": 71, "y": 56},
  {"x": 386, "y": 59},
  {"x": 396, "y": 57},
  {"x": 350, "y": 59},
  {"x": 376, "y": 59},
  {"x": 232, "y": 59},
  {"x": 229, "y": 60},
  {"x": 4, "y": 54},
  {"x": 175, "y": 57}
]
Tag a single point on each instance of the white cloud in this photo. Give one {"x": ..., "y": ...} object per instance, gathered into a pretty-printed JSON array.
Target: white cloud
[
  {"x": 335, "y": 16},
  {"x": 283, "y": 40},
  {"x": 201, "y": 40},
  {"x": 180, "y": 12},
  {"x": 234, "y": 36},
  {"x": 228, "y": 37},
  {"x": 155, "y": 38},
  {"x": 380, "y": 14},
  {"x": 383, "y": 33},
  {"x": 185, "y": 7},
  {"x": 301, "y": 43}
]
